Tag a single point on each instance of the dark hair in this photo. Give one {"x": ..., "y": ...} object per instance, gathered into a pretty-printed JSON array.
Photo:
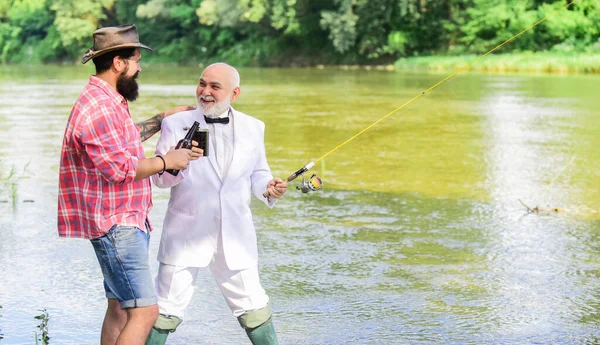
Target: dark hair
[{"x": 104, "y": 61}]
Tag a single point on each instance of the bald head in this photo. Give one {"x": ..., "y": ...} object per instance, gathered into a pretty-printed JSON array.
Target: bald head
[
  {"x": 219, "y": 86},
  {"x": 227, "y": 73}
]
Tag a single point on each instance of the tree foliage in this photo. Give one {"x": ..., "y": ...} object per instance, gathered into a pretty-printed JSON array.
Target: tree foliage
[{"x": 296, "y": 32}]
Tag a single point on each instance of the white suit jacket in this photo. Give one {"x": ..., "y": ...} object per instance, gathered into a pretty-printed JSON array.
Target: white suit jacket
[{"x": 202, "y": 202}]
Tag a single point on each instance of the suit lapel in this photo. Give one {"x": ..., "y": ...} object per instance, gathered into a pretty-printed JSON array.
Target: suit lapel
[
  {"x": 212, "y": 156},
  {"x": 237, "y": 142}
]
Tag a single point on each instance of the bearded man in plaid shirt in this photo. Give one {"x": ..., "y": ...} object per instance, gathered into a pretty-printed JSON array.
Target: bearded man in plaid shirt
[{"x": 104, "y": 190}]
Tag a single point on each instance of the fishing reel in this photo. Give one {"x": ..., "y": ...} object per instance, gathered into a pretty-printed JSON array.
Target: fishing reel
[{"x": 314, "y": 183}]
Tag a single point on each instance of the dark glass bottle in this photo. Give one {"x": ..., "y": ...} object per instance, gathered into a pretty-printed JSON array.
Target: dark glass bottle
[{"x": 185, "y": 143}]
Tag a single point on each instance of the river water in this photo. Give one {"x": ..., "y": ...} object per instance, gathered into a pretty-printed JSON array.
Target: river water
[{"x": 420, "y": 236}]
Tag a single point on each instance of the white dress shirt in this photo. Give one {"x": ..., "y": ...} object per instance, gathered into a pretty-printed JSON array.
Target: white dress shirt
[{"x": 222, "y": 141}]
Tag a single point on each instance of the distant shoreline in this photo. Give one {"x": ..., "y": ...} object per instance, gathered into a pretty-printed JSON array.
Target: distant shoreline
[{"x": 543, "y": 62}]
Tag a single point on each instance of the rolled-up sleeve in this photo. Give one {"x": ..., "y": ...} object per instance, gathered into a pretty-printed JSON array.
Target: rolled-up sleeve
[{"x": 105, "y": 140}]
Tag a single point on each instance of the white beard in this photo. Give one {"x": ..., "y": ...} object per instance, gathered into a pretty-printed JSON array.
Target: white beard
[{"x": 215, "y": 109}]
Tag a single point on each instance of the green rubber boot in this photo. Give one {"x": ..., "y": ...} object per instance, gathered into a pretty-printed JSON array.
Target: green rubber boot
[
  {"x": 157, "y": 337},
  {"x": 162, "y": 327},
  {"x": 263, "y": 334},
  {"x": 259, "y": 327}
]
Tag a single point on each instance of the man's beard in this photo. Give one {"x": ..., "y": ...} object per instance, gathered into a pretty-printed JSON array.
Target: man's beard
[
  {"x": 213, "y": 110},
  {"x": 127, "y": 86}
]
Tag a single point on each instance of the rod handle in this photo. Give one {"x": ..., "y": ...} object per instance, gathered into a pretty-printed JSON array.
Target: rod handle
[{"x": 300, "y": 171}]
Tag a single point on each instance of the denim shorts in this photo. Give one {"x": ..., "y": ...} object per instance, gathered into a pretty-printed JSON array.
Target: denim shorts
[{"x": 123, "y": 258}]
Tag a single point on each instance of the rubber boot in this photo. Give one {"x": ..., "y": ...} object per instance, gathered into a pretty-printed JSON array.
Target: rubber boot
[
  {"x": 162, "y": 327},
  {"x": 263, "y": 334},
  {"x": 157, "y": 337}
]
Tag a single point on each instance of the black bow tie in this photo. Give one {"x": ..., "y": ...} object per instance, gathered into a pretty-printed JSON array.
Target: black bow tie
[{"x": 223, "y": 120}]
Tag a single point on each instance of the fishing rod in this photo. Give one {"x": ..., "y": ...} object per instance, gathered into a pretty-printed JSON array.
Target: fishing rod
[{"x": 315, "y": 183}]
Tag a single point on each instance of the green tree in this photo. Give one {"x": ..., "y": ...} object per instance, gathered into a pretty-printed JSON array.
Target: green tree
[
  {"x": 77, "y": 19},
  {"x": 484, "y": 24},
  {"x": 571, "y": 30},
  {"x": 295, "y": 32},
  {"x": 24, "y": 24}
]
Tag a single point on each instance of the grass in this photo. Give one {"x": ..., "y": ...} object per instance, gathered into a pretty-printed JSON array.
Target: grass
[
  {"x": 1, "y": 335},
  {"x": 42, "y": 336},
  {"x": 43, "y": 327},
  {"x": 543, "y": 62},
  {"x": 10, "y": 182}
]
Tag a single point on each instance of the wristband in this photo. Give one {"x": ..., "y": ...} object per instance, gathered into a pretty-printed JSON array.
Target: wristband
[{"x": 164, "y": 165}]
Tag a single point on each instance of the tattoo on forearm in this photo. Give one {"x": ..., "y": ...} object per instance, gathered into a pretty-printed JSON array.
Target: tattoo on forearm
[{"x": 149, "y": 127}]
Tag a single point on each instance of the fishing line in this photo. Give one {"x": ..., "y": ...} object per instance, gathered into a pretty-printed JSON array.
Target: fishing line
[{"x": 315, "y": 183}]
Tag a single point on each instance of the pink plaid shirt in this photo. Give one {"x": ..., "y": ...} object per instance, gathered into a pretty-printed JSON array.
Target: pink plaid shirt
[{"x": 100, "y": 154}]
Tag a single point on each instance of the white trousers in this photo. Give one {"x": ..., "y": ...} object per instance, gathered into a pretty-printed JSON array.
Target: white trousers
[{"x": 242, "y": 290}]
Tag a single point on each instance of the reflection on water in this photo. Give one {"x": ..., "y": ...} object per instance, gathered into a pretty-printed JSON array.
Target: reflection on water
[{"x": 417, "y": 238}]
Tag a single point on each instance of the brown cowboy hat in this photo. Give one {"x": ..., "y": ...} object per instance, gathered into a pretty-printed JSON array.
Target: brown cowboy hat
[{"x": 112, "y": 38}]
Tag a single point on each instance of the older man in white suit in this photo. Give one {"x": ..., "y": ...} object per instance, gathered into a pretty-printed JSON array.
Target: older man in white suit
[{"x": 208, "y": 220}]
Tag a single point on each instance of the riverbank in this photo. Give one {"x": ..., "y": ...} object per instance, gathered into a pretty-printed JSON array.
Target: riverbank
[
  {"x": 543, "y": 62},
  {"x": 529, "y": 62}
]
